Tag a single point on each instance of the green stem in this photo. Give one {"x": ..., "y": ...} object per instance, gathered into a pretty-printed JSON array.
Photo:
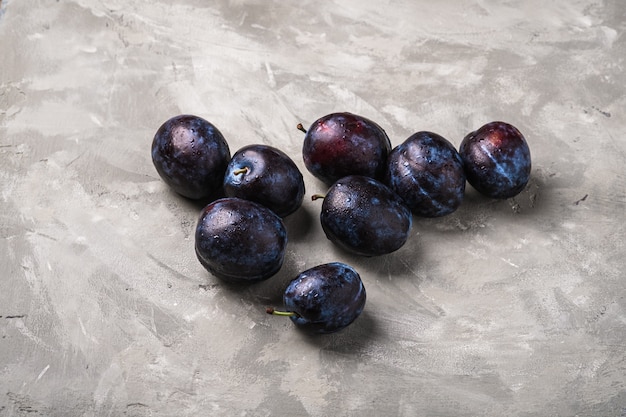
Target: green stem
[
  {"x": 243, "y": 170},
  {"x": 272, "y": 311}
]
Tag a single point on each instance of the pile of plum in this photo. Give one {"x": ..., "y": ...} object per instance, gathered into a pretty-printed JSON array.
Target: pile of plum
[{"x": 373, "y": 193}]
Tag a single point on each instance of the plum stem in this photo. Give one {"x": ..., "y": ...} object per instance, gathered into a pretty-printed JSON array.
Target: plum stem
[
  {"x": 317, "y": 196},
  {"x": 301, "y": 128},
  {"x": 274, "y": 312},
  {"x": 243, "y": 170}
]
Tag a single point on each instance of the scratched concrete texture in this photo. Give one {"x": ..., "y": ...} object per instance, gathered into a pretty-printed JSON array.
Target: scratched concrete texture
[{"x": 503, "y": 308}]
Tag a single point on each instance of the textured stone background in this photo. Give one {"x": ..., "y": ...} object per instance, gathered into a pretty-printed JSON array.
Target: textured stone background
[{"x": 505, "y": 308}]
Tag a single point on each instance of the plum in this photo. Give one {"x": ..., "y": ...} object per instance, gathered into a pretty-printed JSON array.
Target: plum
[
  {"x": 342, "y": 144},
  {"x": 239, "y": 240},
  {"x": 364, "y": 216},
  {"x": 266, "y": 175},
  {"x": 427, "y": 172},
  {"x": 190, "y": 154},
  {"x": 496, "y": 160},
  {"x": 325, "y": 298}
]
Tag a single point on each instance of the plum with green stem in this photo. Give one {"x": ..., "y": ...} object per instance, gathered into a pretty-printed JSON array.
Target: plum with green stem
[{"x": 324, "y": 299}]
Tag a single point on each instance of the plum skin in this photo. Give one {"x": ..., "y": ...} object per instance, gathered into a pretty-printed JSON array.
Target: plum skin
[
  {"x": 325, "y": 298},
  {"x": 342, "y": 144},
  {"x": 239, "y": 240},
  {"x": 496, "y": 159},
  {"x": 365, "y": 217},
  {"x": 190, "y": 154},
  {"x": 271, "y": 178},
  {"x": 427, "y": 172}
]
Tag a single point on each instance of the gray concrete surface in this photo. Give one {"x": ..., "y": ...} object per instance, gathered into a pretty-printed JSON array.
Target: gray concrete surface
[{"x": 505, "y": 308}]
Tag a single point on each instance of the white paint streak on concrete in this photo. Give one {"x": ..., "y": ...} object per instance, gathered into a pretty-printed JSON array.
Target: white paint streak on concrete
[{"x": 42, "y": 373}]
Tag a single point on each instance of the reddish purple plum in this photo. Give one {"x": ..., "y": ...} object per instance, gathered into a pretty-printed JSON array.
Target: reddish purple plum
[
  {"x": 342, "y": 144},
  {"x": 496, "y": 159}
]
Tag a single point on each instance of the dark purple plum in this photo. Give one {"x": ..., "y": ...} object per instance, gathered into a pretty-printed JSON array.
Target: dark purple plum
[
  {"x": 239, "y": 240},
  {"x": 342, "y": 144},
  {"x": 365, "y": 217},
  {"x": 325, "y": 298},
  {"x": 496, "y": 159},
  {"x": 266, "y": 175},
  {"x": 427, "y": 172},
  {"x": 190, "y": 155}
]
